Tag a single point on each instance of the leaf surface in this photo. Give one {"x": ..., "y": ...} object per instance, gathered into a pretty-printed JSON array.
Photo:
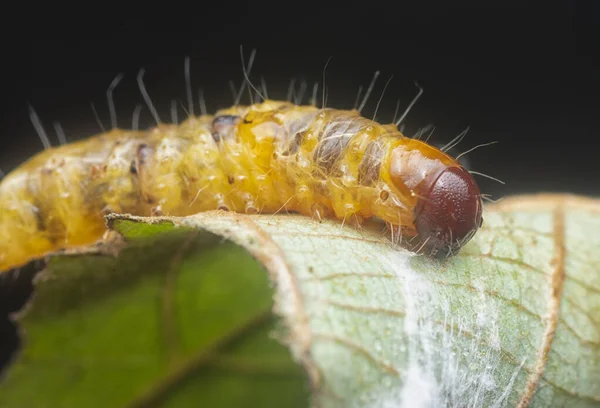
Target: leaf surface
[{"x": 185, "y": 315}]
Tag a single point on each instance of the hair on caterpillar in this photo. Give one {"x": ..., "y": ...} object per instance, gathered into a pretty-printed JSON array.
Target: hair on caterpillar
[
  {"x": 188, "y": 86},
  {"x": 39, "y": 128},
  {"x": 358, "y": 93},
  {"x": 291, "y": 88},
  {"x": 369, "y": 90},
  {"x": 410, "y": 106},
  {"x": 111, "y": 102},
  {"x": 246, "y": 72},
  {"x": 146, "y": 96},
  {"x": 174, "y": 118},
  {"x": 475, "y": 148},
  {"x": 202, "y": 102},
  {"x": 266, "y": 157},
  {"x": 135, "y": 117},
  {"x": 97, "y": 117},
  {"x": 60, "y": 133}
]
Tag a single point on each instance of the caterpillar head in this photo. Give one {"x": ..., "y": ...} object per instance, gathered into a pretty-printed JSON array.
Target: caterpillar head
[
  {"x": 448, "y": 207},
  {"x": 449, "y": 210}
]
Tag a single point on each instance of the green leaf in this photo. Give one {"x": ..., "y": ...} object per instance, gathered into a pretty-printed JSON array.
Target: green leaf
[
  {"x": 179, "y": 318},
  {"x": 184, "y": 315}
]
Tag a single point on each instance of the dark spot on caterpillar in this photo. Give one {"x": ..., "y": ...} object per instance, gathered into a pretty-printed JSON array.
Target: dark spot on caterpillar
[
  {"x": 333, "y": 140},
  {"x": 384, "y": 195},
  {"x": 143, "y": 153},
  {"x": 39, "y": 216},
  {"x": 320, "y": 187},
  {"x": 133, "y": 167},
  {"x": 297, "y": 128},
  {"x": 224, "y": 120},
  {"x": 370, "y": 165},
  {"x": 247, "y": 121},
  {"x": 95, "y": 172},
  {"x": 230, "y": 179},
  {"x": 143, "y": 159},
  {"x": 222, "y": 127},
  {"x": 295, "y": 144},
  {"x": 223, "y": 208}
]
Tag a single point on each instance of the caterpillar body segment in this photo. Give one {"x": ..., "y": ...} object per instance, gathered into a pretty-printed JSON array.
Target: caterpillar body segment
[{"x": 262, "y": 158}]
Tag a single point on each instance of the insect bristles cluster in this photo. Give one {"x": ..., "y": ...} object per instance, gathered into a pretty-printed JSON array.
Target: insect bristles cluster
[{"x": 298, "y": 93}]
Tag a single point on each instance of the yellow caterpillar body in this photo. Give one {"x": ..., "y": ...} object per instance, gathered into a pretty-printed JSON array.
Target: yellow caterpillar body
[{"x": 263, "y": 158}]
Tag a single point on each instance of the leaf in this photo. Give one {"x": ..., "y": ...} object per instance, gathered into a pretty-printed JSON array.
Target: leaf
[{"x": 180, "y": 317}]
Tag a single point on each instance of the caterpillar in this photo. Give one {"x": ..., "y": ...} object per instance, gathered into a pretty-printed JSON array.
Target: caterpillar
[{"x": 259, "y": 158}]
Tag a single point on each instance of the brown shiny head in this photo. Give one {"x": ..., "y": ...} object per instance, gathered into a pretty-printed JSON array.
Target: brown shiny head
[{"x": 448, "y": 212}]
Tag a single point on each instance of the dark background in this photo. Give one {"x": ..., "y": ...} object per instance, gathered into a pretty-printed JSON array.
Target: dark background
[{"x": 523, "y": 74}]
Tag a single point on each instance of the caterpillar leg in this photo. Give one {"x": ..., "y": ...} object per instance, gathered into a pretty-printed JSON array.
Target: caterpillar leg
[
  {"x": 357, "y": 220},
  {"x": 318, "y": 212},
  {"x": 251, "y": 207},
  {"x": 395, "y": 232},
  {"x": 353, "y": 219}
]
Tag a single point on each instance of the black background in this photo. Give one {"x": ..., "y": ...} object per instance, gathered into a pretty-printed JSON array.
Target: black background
[{"x": 522, "y": 74}]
